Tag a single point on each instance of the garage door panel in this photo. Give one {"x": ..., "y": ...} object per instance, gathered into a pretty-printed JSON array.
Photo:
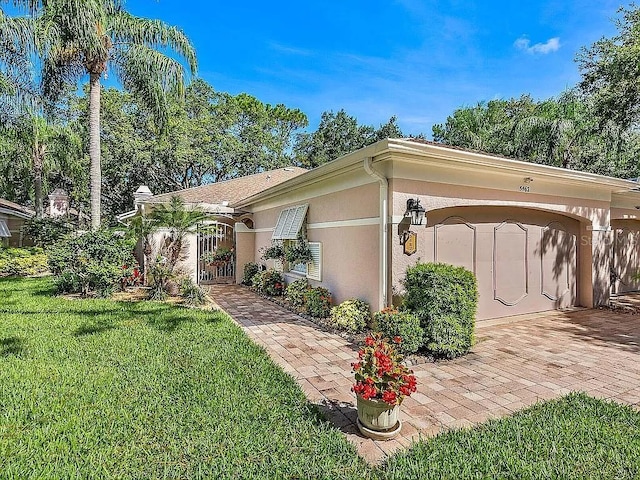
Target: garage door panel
[
  {"x": 558, "y": 258},
  {"x": 455, "y": 243},
  {"x": 525, "y": 260},
  {"x": 626, "y": 257},
  {"x": 510, "y": 263}
]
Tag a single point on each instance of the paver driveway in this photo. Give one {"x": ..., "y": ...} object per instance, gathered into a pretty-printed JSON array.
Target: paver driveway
[{"x": 514, "y": 363}]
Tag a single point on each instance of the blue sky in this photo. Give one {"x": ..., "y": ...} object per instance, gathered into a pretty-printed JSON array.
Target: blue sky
[{"x": 418, "y": 60}]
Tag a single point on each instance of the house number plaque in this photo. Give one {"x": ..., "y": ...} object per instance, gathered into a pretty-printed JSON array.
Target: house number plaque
[{"x": 410, "y": 243}]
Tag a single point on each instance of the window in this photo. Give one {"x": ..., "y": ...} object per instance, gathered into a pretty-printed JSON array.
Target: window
[{"x": 290, "y": 222}]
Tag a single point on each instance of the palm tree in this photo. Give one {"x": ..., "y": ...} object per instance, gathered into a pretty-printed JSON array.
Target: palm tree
[
  {"x": 22, "y": 105},
  {"x": 16, "y": 68},
  {"x": 75, "y": 38},
  {"x": 143, "y": 227},
  {"x": 179, "y": 220}
]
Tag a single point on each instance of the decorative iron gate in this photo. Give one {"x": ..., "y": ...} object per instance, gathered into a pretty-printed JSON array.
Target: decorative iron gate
[{"x": 216, "y": 238}]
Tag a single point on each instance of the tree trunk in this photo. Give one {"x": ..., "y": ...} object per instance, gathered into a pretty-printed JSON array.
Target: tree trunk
[
  {"x": 94, "y": 148},
  {"x": 37, "y": 179}
]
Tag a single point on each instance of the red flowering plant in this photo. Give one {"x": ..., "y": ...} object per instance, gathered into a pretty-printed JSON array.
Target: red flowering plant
[
  {"x": 380, "y": 373},
  {"x": 131, "y": 276}
]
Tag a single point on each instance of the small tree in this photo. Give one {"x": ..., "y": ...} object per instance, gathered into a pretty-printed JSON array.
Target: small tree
[
  {"x": 179, "y": 220},
  {"x": 143, "y": 228}
]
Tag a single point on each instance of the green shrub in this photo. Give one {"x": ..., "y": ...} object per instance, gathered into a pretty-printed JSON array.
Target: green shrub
[
  {"x": 296, "y": 291},
  {"x": 191, "y": 292},
  {"x": 250, "y": 269},
  {"x": 445, "y": 299},
  {"x": 22, "y": 262},
  {"x": 161, "y": 279},
  {"x": 46, "y": 231},
  {"x": 392, "y": 323},
  {"x": 269, "y": 282},
  {"x": 92, "y": 262},
  {"x": 317, "y": 302},
  {"x": 351, "y": 315}
]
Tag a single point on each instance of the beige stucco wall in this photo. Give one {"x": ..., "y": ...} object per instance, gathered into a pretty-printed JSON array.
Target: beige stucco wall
[
  {"x": 245, "y": 249},
  {"x": 350, "y": 249},
  {"x": 15, "y": 225}
]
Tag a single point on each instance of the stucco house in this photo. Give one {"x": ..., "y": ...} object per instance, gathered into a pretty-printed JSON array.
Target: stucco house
[
  {"x": 215, "y": 200},
  {"x": 12, "y": 218},
  {"x": 537, "y": 237}
]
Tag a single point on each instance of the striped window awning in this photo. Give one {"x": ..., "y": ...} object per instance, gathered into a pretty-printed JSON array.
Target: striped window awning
[{"x": 4, "y": 229}]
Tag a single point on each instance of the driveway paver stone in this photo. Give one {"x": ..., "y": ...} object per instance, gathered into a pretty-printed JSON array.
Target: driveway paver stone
[{"x": 516, "y": 362}]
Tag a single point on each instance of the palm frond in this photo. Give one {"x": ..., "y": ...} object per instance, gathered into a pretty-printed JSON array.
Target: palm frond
[
  {"x": 128, "y": 29},
  {"x": 149, "y": 74}
]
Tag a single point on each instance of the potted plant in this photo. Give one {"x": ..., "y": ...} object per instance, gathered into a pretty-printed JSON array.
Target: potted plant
[
  {"x": 298, "y": 252},
  {"x": 219, "y": 257},
  {"x": 273, "y": 252},
  {"x": 382, "y": 382}
]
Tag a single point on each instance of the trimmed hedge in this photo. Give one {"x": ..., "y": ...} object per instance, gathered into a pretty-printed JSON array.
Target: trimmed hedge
[
  {"x": 445, "y": 299},
  {"x": 405, "y": 325},
  {"x": 351, "y": 315}
]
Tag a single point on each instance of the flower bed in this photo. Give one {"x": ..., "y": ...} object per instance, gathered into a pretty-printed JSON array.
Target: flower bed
[{"x": 326, "y": 325}]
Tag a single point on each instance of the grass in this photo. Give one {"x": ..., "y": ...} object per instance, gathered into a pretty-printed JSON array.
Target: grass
[
  {"x": 102, "y": 389},
  {"x": 576, "y": 437},
  {"x": 97, "y": 389}
]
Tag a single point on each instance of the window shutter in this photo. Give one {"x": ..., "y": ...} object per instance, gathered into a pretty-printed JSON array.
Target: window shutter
[
  {"x": 314, "y": 268},
  {"x": 4, "y": 229},
  {"x": 290, "y": 222}
]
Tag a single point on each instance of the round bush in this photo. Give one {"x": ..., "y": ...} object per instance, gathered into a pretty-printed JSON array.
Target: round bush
[
  {"x": 445, "y": 299},
  {"x": 269, "y": 282},
  {"x": 296, "y": 291},
  {"x": 351, "y": 315},
  {"x": 250, "y": 269},
  {"x": 392, "y": 323},
  {"x": 317, "y": 302}
]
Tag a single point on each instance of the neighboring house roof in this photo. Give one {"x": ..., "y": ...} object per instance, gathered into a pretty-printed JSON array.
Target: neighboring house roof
[
  {"x": 231, "y": 191},
  {"x": 12, "y": 208}
]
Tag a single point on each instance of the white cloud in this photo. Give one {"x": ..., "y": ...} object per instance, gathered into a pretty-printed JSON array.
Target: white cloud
[{"x": 551, "y": 45}]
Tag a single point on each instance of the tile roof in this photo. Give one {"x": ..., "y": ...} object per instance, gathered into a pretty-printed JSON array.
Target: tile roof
[
  {"x": 231, "y": 191},
  {"x": 14, "y": 206}
]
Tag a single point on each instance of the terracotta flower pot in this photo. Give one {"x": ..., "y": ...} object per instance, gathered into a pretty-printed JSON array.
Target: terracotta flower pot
[{"x": 378, "y": 419}]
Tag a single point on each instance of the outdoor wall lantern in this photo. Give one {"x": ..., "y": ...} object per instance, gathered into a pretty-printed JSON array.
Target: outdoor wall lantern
[{"x": 414, "y": 211}]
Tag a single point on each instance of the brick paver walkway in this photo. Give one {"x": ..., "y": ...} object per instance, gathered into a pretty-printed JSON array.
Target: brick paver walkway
[{"x": 514, "y": 363}]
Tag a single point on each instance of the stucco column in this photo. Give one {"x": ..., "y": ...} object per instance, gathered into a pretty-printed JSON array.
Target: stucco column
[
  {"x": 190, "y": 262},
  {"x": 601, "y": 242},
  {"x": 245, "y": 248}
]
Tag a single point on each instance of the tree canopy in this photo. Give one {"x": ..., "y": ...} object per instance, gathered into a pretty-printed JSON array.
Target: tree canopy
[{"x": 338, "y": 134}]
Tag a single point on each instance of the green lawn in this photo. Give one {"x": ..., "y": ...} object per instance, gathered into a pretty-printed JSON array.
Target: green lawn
[{"x": 96, "y": 388}]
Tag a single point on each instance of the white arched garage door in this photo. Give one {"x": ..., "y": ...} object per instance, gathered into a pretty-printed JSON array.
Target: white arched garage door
[{"x": 525, "y": 260}]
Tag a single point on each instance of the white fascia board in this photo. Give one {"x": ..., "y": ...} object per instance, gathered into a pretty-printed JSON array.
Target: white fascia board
[{"x": 480, "y": 161}]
